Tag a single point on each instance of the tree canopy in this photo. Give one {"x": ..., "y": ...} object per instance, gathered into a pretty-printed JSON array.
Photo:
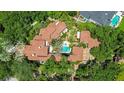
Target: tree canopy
[
  {"x": 106, "y": 71},
  {"x": 51, "y": 70},
  {"x": 21, "y": 27},
  {"x": 108, "y": 38}
]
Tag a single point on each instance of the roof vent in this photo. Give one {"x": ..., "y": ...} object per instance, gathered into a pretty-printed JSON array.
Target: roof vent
[
  {"x": 39, "y": 47},
  {"x": 57, "y": 23},
  {"x": 33, "y": 54}
]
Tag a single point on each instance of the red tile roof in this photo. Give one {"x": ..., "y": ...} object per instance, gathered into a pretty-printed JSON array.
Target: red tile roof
[
  {"x": 37, "y": 43},
  {"x": 57, "y": 58},
  {"x": 77, "y": 50},
  {"x": 86, "y": 54},
  {"x": 37, "y": 58},
  {"x": 86, "y": 37},
  {"x": 37, "y": 50},
  {"x": 77, "y": 54},
  {"x": 52, "y": 31},
  {"x": 38, "y": 37}
]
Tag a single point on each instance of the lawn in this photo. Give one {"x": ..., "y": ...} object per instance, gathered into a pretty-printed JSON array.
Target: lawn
[{"x": 121, "y": 26}]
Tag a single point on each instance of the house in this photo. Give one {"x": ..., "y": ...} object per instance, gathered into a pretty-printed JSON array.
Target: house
[
  {"x": 53, "y": 31},
  {"x": 37, "y": 51},
  {"x": 40, "y": 48},
  {"x": 79, "y": 54},
  {"x": 85, "y": 36},
  {"x": 98, "y": 17}
]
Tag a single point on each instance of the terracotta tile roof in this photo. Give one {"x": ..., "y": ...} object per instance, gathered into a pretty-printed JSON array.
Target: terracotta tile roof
[
  {"x": 37, "y": 50},
  {"x": 59, "y": 28},
  {"x": 77, "y": 54},
  {"x": 86, "y": 37},
  {"x": 53, "y": 31},
  {"x": 37, "y": 43},
  {"x": 38, "y": 37},
  {"x": 86, "y": 54},
  {"x": 43, "y": 51},
  {"x": 57, "y": 58},
  {"x": 77, "y": 50},
  {"x": 45, "y": 34},
  {"x": 37, "y": 58},
  {"x": 27, "y": 49},
  {"x": 74, "y": 58}
]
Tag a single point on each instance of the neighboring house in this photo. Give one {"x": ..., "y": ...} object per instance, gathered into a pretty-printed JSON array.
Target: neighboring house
[
  {"x": 98, "y": 17},
  {"x": 40, "y": 48},
  {"x": 80, "y": 54},
  {"x": 85, "y": 36},
  {"x": 77, "y": 54}
]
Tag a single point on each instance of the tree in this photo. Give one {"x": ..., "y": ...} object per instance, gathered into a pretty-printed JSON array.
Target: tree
[
  {"x": 120, "y": 50},
  {"x": 108, "y": 42},
  {"x": 72, "y": 13},
  {"x": 5, "y": 56},
  {"x": 98, "y": 72},
  {"x": 1, "y": 28},
  {"x": 17, "y": 27},
  {"x": 120, "y": 75},
  {"x": 4, "y": 71},
  {"x": 23, "y": 71},
  {"x": 18, "y": 24},
  {"x": 55, "y": 15},
  {"x": 51, "y": 70}
]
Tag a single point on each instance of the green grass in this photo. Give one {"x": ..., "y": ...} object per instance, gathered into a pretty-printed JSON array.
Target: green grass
[{"x": 121, "y": 26}]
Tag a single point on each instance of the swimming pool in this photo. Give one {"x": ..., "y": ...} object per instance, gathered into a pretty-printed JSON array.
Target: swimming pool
[
  {"x": 115, "y": 21},
  {"x": 65, "y": 48}
]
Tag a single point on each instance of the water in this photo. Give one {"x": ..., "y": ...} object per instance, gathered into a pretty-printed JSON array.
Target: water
[
  {"x": 65, "y": 49},
  {"x": 115, "y": 20}
]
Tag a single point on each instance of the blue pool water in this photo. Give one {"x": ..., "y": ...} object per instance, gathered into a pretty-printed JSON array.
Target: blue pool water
[
  {"x": 65, "y": 49},
  {"x": 115, "y": 20}
]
